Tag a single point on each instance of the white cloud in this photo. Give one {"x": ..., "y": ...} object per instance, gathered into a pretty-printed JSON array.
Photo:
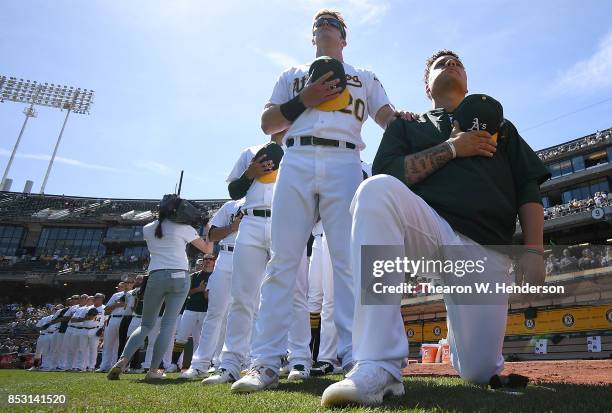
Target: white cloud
[
  {"x": 59, "y": 159},
  {"x": 155, "y": 167},
  {"x": 144, "y": 166},
  {"x": 591, "y": 74}
]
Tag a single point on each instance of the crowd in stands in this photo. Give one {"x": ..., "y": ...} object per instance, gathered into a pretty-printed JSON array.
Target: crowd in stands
[
  {"x": 18, "y": 332},
  {"x": 590, "y": 140},
  {"x": 600, "y": 199},
  {"x": 69, "y": 264},
  {"x": 578, "y": 259},
  {"x": 13, "y": 204}
]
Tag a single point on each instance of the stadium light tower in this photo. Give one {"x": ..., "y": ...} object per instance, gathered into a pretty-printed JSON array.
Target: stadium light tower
[{"x": 72, "y": 99}]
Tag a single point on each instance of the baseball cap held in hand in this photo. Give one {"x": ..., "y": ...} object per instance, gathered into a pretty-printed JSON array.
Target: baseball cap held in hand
[
  {"x": 318, "y": 68},
  {"x": 274, "y": 153},
  {"x": 479, "y": 112}
]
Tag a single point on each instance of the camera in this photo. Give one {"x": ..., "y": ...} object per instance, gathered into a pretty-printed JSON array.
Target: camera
[{"x": 182, "y": 211}]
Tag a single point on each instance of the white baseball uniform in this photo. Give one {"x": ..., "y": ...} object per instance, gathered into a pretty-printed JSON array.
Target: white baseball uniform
[
  {"x": 219, "y": 290},
  {"x": 93, "y": 340},
  {"x": 251, "y": 254},
  {"x": 386, "y": 212},
  {"x": 111, "y": 333},
  {"x": 321, "y": 288},
  {"x": 69, "y": 342},
  {"x": 312, "y": 181},
  {"x": 58, "y": 339},
  {"x": 321, "y": 294},
  {"x": 43, "y": 343}
]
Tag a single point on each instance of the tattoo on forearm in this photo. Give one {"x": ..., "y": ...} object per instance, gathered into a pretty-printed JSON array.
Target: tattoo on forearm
[{"x": 420, "y": 165}]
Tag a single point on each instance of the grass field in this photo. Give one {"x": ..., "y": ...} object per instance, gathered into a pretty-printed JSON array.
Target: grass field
[{"x": 92, "y": 392}]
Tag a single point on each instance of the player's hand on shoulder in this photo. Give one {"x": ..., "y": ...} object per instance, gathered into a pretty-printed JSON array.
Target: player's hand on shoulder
[
  {"x": 472, "y": 143},
  {"x": 409, "y": 116},
  {"x": 259, "y": 167},
  {"x": 317, "y": 92}
]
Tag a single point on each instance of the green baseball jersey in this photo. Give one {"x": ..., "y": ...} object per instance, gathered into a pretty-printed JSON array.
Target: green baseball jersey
[
  {"x": 478, "y": 196},
  {"x": 197, "y": 302}
]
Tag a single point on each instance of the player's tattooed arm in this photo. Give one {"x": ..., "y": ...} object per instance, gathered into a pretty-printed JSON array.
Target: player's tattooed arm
[{"x": 420, "y": 165}]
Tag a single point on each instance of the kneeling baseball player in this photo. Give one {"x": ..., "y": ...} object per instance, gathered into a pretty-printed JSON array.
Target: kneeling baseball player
[{"x": 436, "y": 185}]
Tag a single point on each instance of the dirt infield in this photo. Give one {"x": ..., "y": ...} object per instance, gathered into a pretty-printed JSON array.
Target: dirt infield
[{"x": 568, "y": 372}]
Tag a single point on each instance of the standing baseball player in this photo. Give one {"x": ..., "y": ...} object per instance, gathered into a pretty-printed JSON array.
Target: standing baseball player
[
  {"x": 71, "y": 337},
  {"x": 60, "y": 320},
  {"x": 442, "y": 186},
  {"x": 85, "y": 324},
  {"x": 248, "y": 179},
  {"x": 318, "y": 176},
  {"x": 321, "y": 296},
  {"x": 42, "y": 354},
  {"x": 196, "y": 307},
  {"x": 94, "y": 334},
  {"x": 223, "y": 228},
  {"x": 114, "y": 311}
]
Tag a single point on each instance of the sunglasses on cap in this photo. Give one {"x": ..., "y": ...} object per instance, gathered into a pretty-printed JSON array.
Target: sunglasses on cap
[{"x": 330, "y": 21}]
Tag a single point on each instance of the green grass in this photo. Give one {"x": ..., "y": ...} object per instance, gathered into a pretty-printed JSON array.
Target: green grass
[{"x": 92, "y": 392}]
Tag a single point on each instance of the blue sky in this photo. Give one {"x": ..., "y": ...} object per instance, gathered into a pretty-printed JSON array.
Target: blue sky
[{"x": 181, "y": 84}]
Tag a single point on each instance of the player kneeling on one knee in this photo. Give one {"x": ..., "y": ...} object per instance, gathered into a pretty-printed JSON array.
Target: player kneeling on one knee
[{"x": 443, "y": 183}]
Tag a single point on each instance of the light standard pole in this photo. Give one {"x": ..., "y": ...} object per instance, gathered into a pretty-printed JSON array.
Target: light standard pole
[{"x": 29, "y": 113}]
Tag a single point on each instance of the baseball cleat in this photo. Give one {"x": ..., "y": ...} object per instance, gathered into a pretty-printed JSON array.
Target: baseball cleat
[
  {"x": 101, "y": 370},
  {"x": 136, "y": 371},
  {"x": 512, "y": 381},
  {"x": 117, "y": 369},
  {"x": 284, "y": 371},
  {"x": 322, "y": 368},
  {"x": 298, "y": 372},
  {"x": 192, "y": 373},
  {"x": 366, "y": 384},
  {"x": 211, "y": 370},
  {"x": 258, "y": 378},
  {"x": 222, "y": 376},
  {"x": 154, "y": 374}
]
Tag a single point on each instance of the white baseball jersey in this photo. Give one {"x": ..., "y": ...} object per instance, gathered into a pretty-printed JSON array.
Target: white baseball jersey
[
  {"x": 224, "y": 217},
  {"x": 367, "y": 97},
  {"x": 114, "y": 299},
  {"x": 259, "y": 195},
  {"x": 130, "y": 300}
]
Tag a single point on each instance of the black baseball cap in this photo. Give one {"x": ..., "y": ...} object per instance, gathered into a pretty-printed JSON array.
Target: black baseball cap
[
  {"x": 318, "y": 68},
  {"x": 479, "y": 112}
]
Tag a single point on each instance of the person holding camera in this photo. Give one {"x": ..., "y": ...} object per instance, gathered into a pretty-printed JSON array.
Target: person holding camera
[{"x": 168, "y": 279}]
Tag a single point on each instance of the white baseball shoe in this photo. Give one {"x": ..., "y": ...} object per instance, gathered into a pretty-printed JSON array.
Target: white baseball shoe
[
  {"x": 366, "y": 384},
  {"x": 298, "y": 372},
  {"x": 284, "y": 371},
  {"x": 154, "y": 374},
  {"x": 192, "y": 373},
  {"x": 259, "y": 378},
  {"x": 222, "y": 376},
  {"x": 211, "y": 370}
]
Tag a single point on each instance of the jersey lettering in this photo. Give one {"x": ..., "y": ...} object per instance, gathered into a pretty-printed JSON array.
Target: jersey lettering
[
  {"x": 298, "y": 84},
  {"x": 358, "y": 109}
]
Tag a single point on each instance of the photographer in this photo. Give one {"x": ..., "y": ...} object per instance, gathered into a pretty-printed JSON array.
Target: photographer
[{"x": 168, "y": 280}]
